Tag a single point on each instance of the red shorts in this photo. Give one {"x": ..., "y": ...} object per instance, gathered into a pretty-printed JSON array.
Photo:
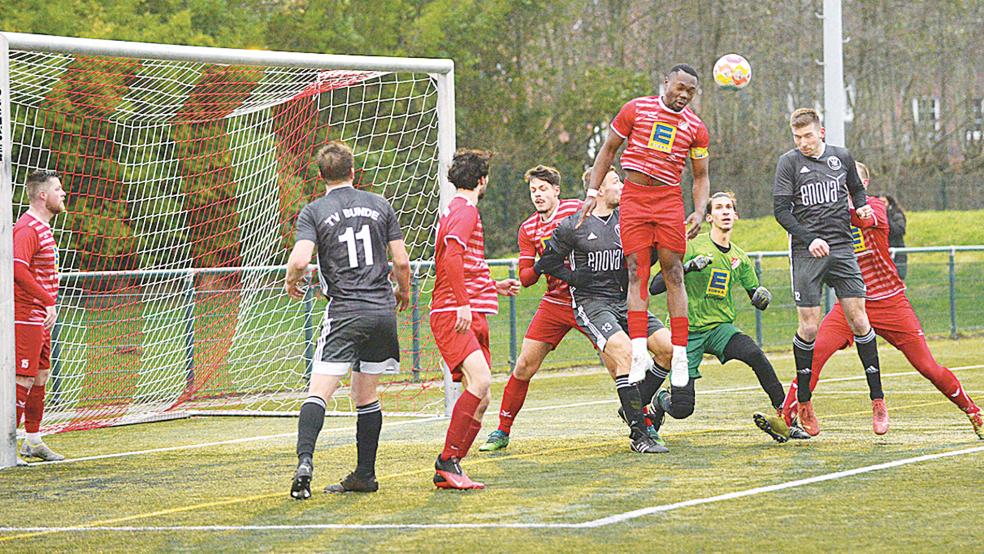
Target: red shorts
[
  {"x": 455, "y": 347},
  {"x": 892, "y": 318},
  {"x": 33, "y": 349},
  {"x": 652, "y": 216},
  {"x": 551, "y": 322}
]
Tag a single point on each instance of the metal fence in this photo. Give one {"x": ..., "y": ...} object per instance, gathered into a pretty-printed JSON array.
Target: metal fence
[{"x": 944, "y": 285}]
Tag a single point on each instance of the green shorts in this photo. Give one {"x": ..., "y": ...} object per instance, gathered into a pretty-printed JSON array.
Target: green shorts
[{"x": 712, "y": 341}]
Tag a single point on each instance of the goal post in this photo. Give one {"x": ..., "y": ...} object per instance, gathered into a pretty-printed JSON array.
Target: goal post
[{"x": 185, "y": 168}]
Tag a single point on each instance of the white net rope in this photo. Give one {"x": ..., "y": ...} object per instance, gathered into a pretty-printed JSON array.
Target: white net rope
[{"x": 184, "y": 181}]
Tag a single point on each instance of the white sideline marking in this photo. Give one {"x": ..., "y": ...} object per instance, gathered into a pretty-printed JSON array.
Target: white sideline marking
[
  {"x": 601, "y": 522},
  {"x": 488, "y": 413},
  {"x": 778, "y": 487}
]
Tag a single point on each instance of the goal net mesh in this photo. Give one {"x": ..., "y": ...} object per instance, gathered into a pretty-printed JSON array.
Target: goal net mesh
[{"x": 184, "y": 181}]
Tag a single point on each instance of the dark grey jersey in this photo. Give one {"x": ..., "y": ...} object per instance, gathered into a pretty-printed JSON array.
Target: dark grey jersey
[
  {"x": 594, "y": 251},
  {"x": 352, "y": 229},
  {"x": 814, "y": 192}
]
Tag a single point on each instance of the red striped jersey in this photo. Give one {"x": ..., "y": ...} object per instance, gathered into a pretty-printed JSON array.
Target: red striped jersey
[
  {"x": 659, "y": 140},
  {"x": 34, "y": 246},
  {"x": 871, "y": 247},
  {"x": 460, "y": 222},
  {"x": 533, "y": 236}
]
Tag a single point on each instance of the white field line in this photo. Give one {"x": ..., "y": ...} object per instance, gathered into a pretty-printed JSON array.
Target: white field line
[
  {"x": 488, "y": 413},
  {"x": 601, "y": 522}
]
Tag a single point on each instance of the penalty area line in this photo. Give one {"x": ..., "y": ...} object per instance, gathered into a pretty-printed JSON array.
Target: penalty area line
[{"x": 592, "y": 524}]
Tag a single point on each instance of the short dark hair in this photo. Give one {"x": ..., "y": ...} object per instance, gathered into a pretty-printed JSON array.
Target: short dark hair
[
  {"x": 543, "y": 173},
  {"x": 803, "y": 117},
  {"x": 721, "y": 194},
  {"x": 684, "y": 67},
  {"x": 467, "y": 167},
  {"x": 38, "y": 180},
  {"x": 335, "y": 161}
]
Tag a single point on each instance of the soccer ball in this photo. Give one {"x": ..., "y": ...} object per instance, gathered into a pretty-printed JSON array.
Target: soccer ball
[{"x": 732, "y": 72}]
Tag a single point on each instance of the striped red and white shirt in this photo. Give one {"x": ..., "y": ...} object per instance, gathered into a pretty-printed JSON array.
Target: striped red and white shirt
[
  {"x": 460, "y": 222},
  {"x": 659, "y": 139},
  {"x": 533, "y": 236},
  {"x": 34, "y": 246},
  {"x": 881, "y": 278}
]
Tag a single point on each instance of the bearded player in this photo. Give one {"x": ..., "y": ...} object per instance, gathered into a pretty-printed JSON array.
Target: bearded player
[
  {"x": 35, "y": 296},
  {"x": 890, "y": 313},
  {"x": 464, "y": 293},
  {"x": 662, "y": 132},
  {"x": 554, "y": 316},
  {"x": 714, "y": 267}
]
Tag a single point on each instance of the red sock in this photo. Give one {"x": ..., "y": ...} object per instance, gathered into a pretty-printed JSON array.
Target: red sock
[
  {"x": 22, "y": 393},
  {"x": 638, "y": 324},
  {"x": 512, "y": 402},
  {"x": 473, "y": 430},
  {"x": 679, "y": 329},
  {"x": 790, "y": 402},
  {"x": 462, "y": 417},
  {"x": 34, "y": 409},
  {"x": 942, "y": 378}
]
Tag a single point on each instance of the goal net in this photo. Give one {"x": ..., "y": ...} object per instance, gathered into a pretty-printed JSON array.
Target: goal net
[{"x": 185, "y": 170}]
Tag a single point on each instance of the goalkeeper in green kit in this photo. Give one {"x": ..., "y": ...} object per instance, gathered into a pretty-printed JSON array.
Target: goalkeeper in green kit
[{"x": 714, "y": 267}]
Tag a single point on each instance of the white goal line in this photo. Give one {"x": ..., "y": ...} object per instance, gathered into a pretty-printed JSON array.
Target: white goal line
[{"x": 591, "y": 524}]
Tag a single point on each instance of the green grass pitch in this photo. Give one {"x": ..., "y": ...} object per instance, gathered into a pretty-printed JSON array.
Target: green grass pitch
[{"x": 569, "y": 467}]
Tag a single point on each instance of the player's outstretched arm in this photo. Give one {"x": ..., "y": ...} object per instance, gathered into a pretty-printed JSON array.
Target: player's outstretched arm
[
  {"x": 297, "y": 264},
  {"x": 401, "y": 273},
  {"x": 697, "y": 263},
  {"x": 603, "y": 161},
  {"x": 701, "y": 191}
]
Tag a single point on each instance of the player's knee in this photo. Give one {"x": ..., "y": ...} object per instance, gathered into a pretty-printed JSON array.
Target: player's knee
[
  {"x": 673, "y": 274},
  {"x": 807, "y": 330},
  {"x": 525, "y": 368},
  {"x": 682, "y": 402}
]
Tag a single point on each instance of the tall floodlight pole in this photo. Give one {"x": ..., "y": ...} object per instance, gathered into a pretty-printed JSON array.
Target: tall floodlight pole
[{"x": 834, "y": 100}]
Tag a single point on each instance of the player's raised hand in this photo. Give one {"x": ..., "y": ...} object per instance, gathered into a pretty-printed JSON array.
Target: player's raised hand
[
  {"x": 507, "y": 287},
  {"x": 865, "y": 212},
  {"x": 693, "y": 223},
  {"x": 589, "y": 204},
  {"x": 50, "y": 315},
  {"x": 463, "y": 323},
  {"x": 819, "y": 248}
]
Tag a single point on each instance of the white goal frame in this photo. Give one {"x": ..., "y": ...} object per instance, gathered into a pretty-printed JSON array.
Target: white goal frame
[{"x": 441, "y": 70}]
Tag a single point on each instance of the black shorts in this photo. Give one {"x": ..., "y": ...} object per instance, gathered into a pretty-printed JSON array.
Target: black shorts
[
  {"x": 364, "y": 342},
  {"x": 601, "y": 319},
  {"x": 840, "y": 271}
]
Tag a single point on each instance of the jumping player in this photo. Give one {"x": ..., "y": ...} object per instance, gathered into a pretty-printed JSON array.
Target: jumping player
[
  {"x": 662, "y": 132},
  {"x": 35, "y": 296},
  {"x": 890, "y": 313},
  {"x": 813, "y": 184},
  {"x": 713, "y": 266},
  {"x": 351, "y": 230},
  {"x": 554, "y": 316},
  {"x": 464, "y": 293},
  {"x": 597, "y": 276}
]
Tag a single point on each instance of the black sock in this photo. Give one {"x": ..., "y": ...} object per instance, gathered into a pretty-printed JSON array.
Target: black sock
[
  {"x": 309, "y": 426},
  {"x": 742, "y": 347},
  {"x": 367, "y": 429},
  {"x": 803, "y": 355},
  {"x": 868, "y": 352},
  {"x": 653, "y": 381},
  {"x": 628, "y": 395}
]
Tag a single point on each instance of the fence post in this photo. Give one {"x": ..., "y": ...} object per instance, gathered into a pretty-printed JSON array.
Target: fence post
[
  {"x": 953, "y": 293},
  {"x": 415, "y": 326},
  {"x": 758, "y": 313},
  {"x": 190, "y": 328},
  {"x": 512, "y": 319},
  {"x": 308, "y": 332}
]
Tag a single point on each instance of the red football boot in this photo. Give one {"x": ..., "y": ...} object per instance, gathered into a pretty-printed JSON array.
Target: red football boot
[
  {"x": 808, "y": 419},
  {"x": 879, "y": 416},
  {"x": 449, "y": 475}
]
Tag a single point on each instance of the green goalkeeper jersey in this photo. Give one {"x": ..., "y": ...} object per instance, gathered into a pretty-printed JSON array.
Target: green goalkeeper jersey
[{"x": 709, "y": 291}]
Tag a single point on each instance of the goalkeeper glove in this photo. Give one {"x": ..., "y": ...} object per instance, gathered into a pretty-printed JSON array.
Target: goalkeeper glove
[
  {"x": 697, "y": 263},
  {"x": 761, "y": 298}
]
